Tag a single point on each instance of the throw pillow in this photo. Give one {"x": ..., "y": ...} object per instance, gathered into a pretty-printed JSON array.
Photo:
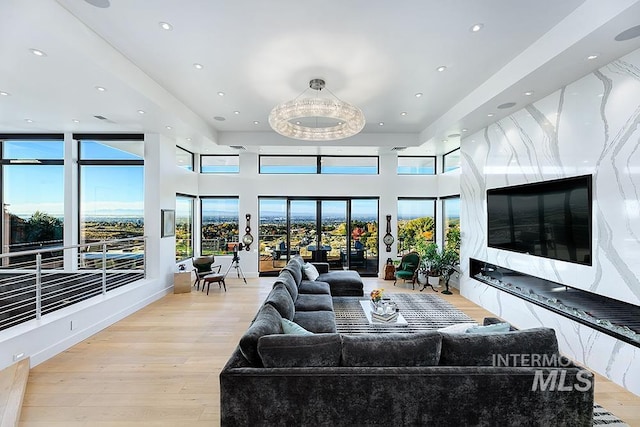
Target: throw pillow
[
  {"x": 458, "y": 328},
  {"x": 393, "y": 349},
  {"x": 311, "y": 271},
  {"x": 292, "y": 328},
  {"x": 295, "y": 351},
  {"x": 267, "y": 322},
  {"x": 496, "y": 328}
]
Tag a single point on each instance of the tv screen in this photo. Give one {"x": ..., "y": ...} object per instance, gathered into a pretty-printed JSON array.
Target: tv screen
[{"x": 551, "y": 219}]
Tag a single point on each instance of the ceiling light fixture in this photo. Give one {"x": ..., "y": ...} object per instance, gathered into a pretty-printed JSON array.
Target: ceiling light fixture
[
  {"x": 220, "y": 93},
  {"x": 3, "y": 93},
  {"x": 592, "y": 57},
  {"x": 318, "y": 117},
  {"x": 141, "y": 112},
  {"x": 418, "y": 95},
  {"x": 476, "y": 27},
  {"x": 38, "y": 52},
  {"x": 404, "y": 113},
  {"x": 198, "y": 66},
  {"x": 100, "y": 89},
  {"x": 166, "y": 26},
  {"x": 441, "y": 68},
  {"x": 528, "y": 93}
]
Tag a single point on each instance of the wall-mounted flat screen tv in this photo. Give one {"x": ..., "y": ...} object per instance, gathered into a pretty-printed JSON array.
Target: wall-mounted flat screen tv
[{"x": 550, "y": 219}]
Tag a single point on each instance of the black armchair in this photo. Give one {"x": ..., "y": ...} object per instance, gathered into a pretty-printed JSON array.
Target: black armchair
[{"x": 202, "y": 266}]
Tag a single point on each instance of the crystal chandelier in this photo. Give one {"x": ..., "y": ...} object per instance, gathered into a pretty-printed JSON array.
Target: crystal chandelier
[{"x": 316, "y": 119}]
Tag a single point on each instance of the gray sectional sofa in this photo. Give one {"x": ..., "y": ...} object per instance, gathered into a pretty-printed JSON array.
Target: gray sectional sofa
[{"x": 325, "y": 378}]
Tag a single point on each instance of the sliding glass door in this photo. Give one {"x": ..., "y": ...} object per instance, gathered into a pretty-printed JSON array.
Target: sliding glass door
[{"x": 340, "y": 231}]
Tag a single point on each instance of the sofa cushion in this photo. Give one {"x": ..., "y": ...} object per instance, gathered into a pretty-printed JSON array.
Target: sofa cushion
[
  {"x": 393, "y": 349},
  {"x": 343, "y": 283},
  {"x": 295, "y": 271},
  {"x": 287, "y": 278},
  {"x": 483, "y": 349},
  {"x": 316, "y": 321},
  {"x": 267, "y": 322},
  {"x": 280, "y": 298},
  {"x": 310, "y": 271},
  {"x": 292, "y": 328},
  {"x": 457, "y": 328},
  {"x": 314, "y": 302},
  {"x": 293, "y": 351},
  {"x": 314, "y": 287}
]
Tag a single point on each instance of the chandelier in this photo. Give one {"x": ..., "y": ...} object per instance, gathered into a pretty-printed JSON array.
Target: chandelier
[{"x": 316, "y": 119}]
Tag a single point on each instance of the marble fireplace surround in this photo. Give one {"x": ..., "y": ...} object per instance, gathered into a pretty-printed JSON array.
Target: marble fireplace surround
[{"x": 618, "y": 319}]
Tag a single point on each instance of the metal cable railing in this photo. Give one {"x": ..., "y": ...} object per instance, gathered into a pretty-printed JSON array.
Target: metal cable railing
[{"x": 37, "y": 282}]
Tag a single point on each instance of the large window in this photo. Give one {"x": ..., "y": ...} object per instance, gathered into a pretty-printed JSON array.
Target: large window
[
  {"x": 111, "y": 187},
  {"x": 32, "y": 192},
  {"x": 452, "y": 160},
  {"x": 219, "y": 164},
  {"x": 184, "y": 226},
  {"x": 184, "y": 158},
  {"x": 416, "y": 165},
  {"x": 328, "y": 165},
  {"x": 219, "y": 225},
  {"x": 416, "y": 223},
  {"x": 451, "y": 220}
]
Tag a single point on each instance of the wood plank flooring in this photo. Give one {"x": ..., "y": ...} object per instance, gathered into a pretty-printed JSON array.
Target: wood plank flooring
[{"x": 159, "y": 367}]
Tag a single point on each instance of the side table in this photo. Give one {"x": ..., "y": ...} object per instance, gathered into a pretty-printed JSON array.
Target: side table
[{"x": 182, "y": 282}]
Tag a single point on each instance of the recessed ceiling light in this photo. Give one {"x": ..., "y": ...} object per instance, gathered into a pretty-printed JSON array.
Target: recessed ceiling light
[
  {"x": 628, "y": 34},
  {"x": 236, "y": 112},
  {"x": 166, "y": 26},
  {"x": 100, "y": 89},
  {"x": 381, "y": 124},
  {"x": 255, "y": 122},
  {"x": 418, "y": 95},
  {"x": 75, "y": 121},
  {"x": 490, "y": 115},
  {"x": 168, "y": 127},
  {"x": 592, "y": 57},
  {"x": 529, "y": 93},
  {"x": 441, "y": 68},
  {"x": 476, "y": 27},
  {"x": 3, "y": 93},
  {"x": 298, "y": 122},
  {"x": 453, "y": 135},
  {"x": 220, "y": 93},
  {"x": 198, "y": 66},
  {"x": 28, "y": 120},
  {"x": 404, "y": 113},
  {"x": 188, "y": 139},
  {"x": 219, "y": 118},
  {"x": 38, "y": 52},
  {"x": 141, "y": 112},
  {"x": 464, "y": 130}
]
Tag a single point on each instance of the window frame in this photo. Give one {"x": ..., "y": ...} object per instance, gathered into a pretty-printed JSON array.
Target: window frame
[
  {"x": 435, "y": 166},
  {"x": 318, "y": 164},
  {"x": 191, "y": 164},
  {"x": 234, "y": 172},
  {"x": 444, "y": 161}
]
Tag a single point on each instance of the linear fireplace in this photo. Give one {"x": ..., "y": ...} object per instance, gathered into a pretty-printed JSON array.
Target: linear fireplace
[{"x": 612, "y": 317}]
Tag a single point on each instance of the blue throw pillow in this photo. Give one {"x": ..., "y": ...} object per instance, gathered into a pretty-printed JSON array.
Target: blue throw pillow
[
  {"x": 292, "y": 328},
  {"x": 496, "y": 328}
]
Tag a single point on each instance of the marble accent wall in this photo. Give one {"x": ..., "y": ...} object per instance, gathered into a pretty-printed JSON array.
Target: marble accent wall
[{"x": 590, "y": 126}]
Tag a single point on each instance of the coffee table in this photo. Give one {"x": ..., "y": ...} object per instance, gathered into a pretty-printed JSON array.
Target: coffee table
[{"x": 366, "y": 307}]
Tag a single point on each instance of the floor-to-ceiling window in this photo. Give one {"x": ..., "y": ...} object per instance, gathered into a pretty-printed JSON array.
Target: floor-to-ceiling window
[
  {"x": 111, "y": 175},
  {"x": 451, "y": 221},
  {"x": 184, "y": 226},
  {"x": 416, "y": 223},
  {"x": 342, "y": 232},
  {"x": 219, "y": 225},
  {"x": 32, "y": 192}
]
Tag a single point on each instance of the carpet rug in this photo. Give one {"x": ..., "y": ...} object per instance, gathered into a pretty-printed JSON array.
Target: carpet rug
[
  {"x": 424, "y": 312},
  {"x": 421, "y": 311}
]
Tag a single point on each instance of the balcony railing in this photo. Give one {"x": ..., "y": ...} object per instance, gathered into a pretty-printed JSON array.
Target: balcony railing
[{"x": 38, "y": 282}]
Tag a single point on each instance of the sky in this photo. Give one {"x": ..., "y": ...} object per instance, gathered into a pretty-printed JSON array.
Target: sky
[{"x": 105, "y": 191}]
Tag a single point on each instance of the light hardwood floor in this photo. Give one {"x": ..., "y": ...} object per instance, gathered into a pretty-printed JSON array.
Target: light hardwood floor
[{"x": 160, "y": 366}]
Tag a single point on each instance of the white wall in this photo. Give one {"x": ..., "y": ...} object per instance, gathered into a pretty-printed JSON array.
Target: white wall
[{"x": 588, "y": 127}]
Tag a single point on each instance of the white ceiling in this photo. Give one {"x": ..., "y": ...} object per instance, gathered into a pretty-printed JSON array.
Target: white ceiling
[{"x": 375, "y": 54}]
